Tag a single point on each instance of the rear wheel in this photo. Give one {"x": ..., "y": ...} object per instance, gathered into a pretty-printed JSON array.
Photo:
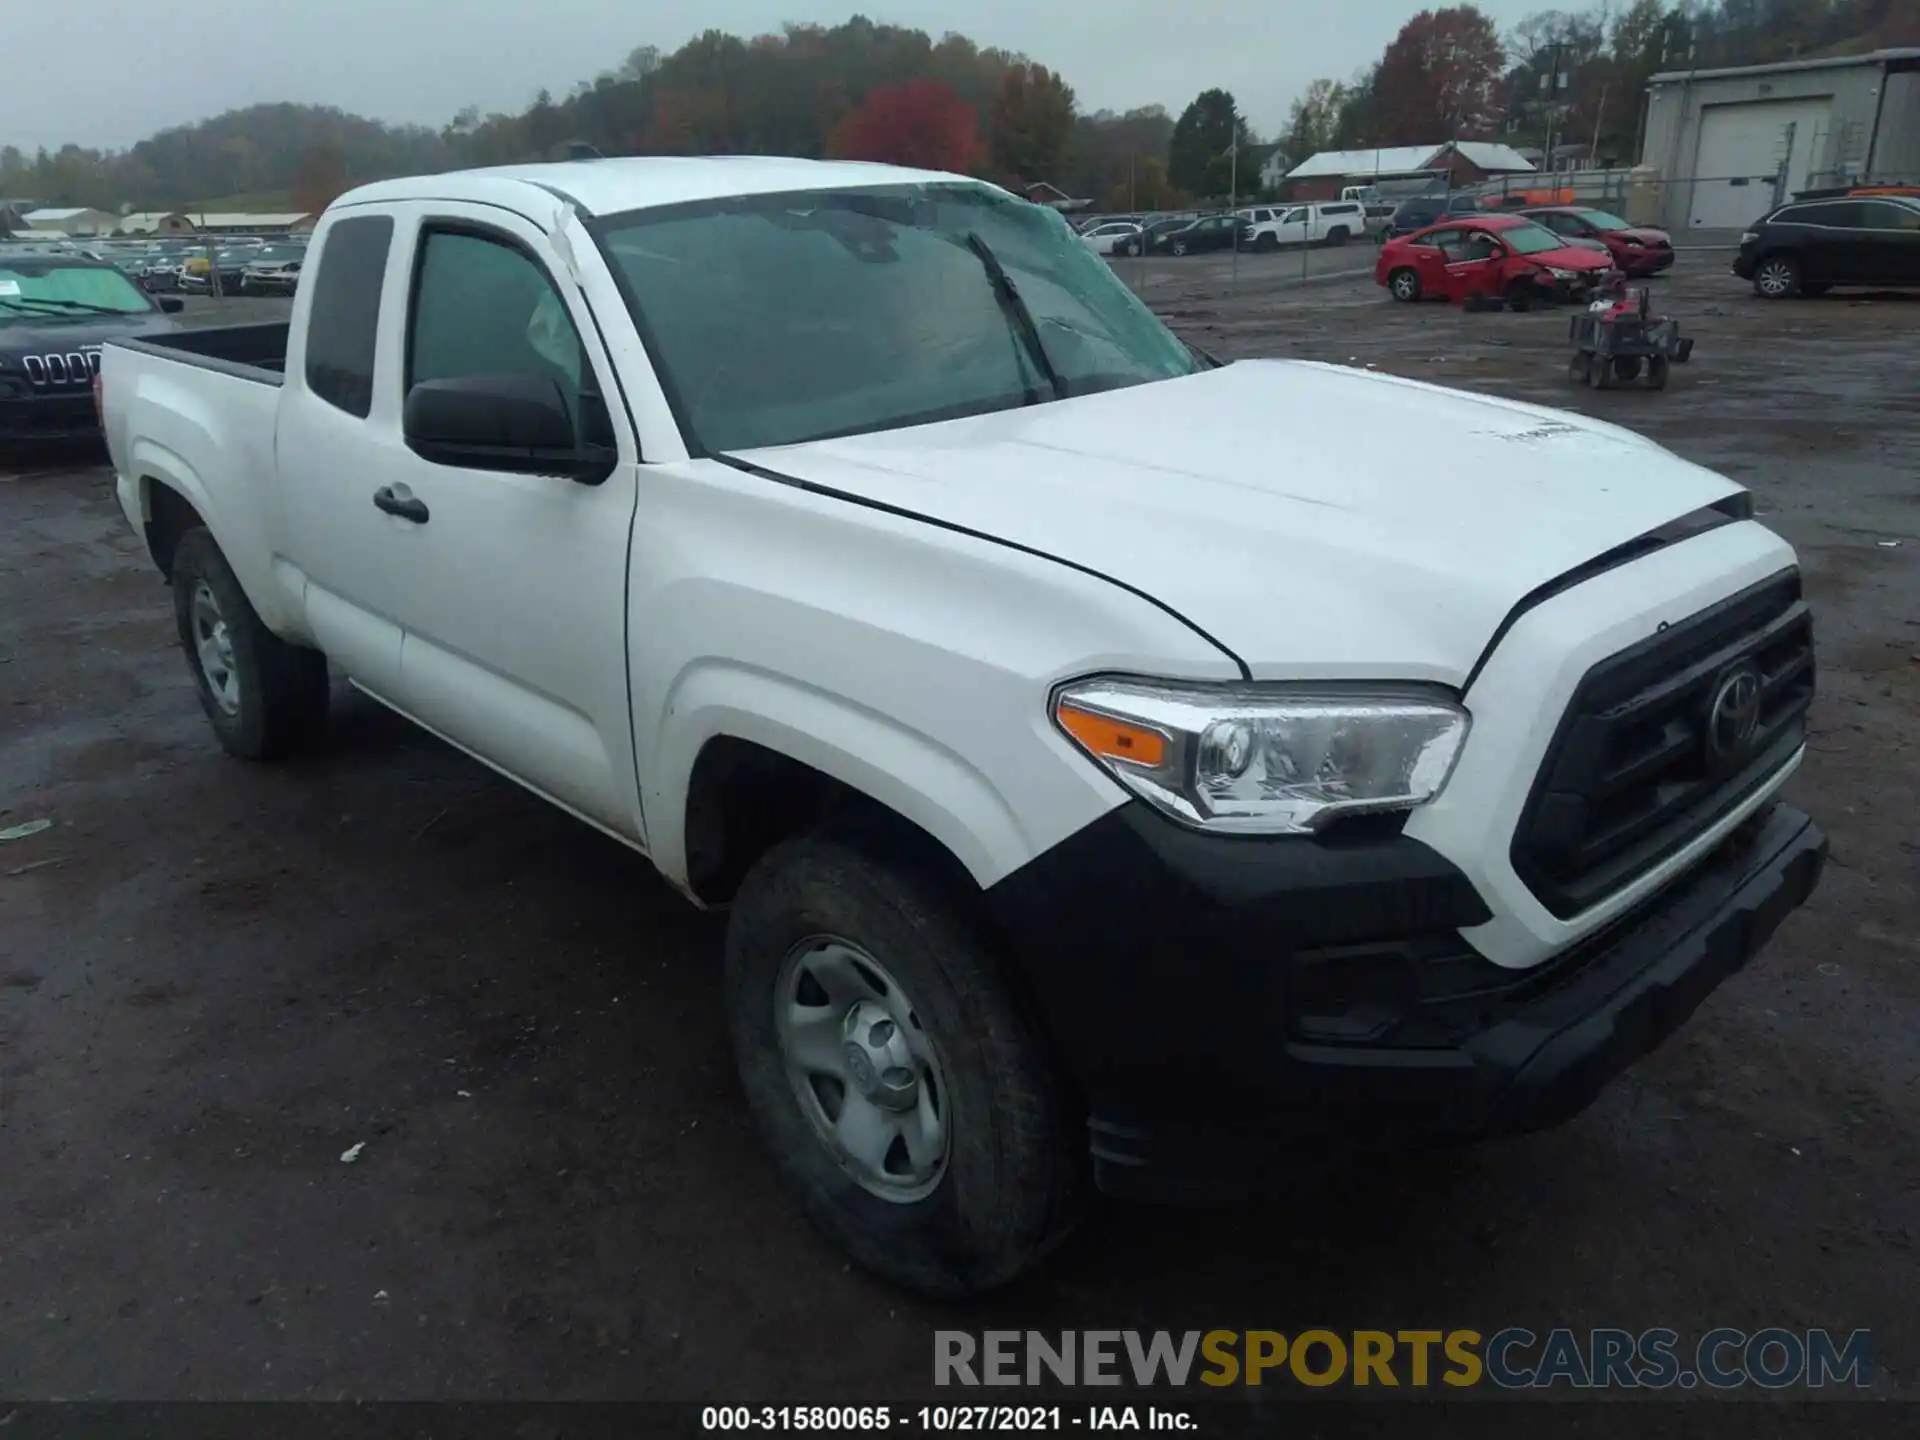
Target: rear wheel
[
  {"x": 1777, "y": 278},
  {"x": 263, "y": 696},
  {"x": 893, "y": 1071},
  {"x": 1338, "y": 235},
  {"x": 1403, "y": 285}
]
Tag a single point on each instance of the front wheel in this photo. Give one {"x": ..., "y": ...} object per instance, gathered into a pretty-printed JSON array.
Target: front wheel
[
  {"x": 1403, "y": 285},
  {"x": 1266, "y": 241},
  {"x": 263, "y": 696},
  {"x": 1179, "y": 247},
  {"x": 1777, "y": 278},
  {"x": 893, "y": 1071}
]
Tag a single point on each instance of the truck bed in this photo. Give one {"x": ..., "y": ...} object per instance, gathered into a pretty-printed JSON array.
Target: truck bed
[{"x": 247, "y": 352}]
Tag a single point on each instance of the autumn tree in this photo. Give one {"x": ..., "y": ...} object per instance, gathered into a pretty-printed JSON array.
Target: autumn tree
[
  {"x": 1198, "y": 155},
  {"x": 1440, "y": 78},
  {"x": 921, "y": 123},
  {"x": 1315, "y": 119},
  {"x": 1030, "y": 132}
]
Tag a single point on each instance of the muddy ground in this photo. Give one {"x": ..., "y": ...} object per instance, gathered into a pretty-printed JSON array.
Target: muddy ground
[{"x": 216, "y": 978}]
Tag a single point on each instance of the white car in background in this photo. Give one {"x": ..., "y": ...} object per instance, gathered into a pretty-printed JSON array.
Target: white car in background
[
  {"x": 1113, "y": 237},
  {"x": 1331, "y": 222}
]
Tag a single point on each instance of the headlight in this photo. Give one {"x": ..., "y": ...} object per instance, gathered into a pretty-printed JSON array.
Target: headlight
[
  {"x": 1268, "y": 760},
  {"x": 1560, "y": 274},
  {"x": 1747, "y": 237}
]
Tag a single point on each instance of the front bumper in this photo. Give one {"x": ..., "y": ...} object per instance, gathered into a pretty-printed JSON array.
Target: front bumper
[
  {"x": 61, "y": 416},
  {"x": 1638, "y": 264},
  {"x": 1229, "y": 1004}
]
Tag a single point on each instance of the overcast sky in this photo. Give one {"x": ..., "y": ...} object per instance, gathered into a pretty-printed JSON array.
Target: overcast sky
[{"x": 109, "y": 72}]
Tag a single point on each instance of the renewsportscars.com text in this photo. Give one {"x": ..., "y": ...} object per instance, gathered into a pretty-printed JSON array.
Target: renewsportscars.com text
[{"x": 1513, "y": 1358}]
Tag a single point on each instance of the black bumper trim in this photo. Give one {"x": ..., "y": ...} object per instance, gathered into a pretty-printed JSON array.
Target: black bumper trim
[{"x": 1187, "y": 1032}]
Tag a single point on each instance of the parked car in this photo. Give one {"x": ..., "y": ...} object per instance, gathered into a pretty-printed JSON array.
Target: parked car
[
  {"x": 1808, "y": 247},
  {"x": 1637, "y": 251},
  {"x": 1489, "y": 255},
  {"x": 1007, "y": 695},
  {"x": 1377, "y": 209},
  {"x": 272, "y": 270},
  {"x": 55, "y": 312},
  {"x": 1113, "y": 237},
  {"x": 1332, "y": 222},
  {"x": 1209, "y": 232},
  {"x": 1420, "y": 211}
]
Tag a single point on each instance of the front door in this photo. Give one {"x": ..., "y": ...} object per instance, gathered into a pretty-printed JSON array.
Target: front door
[{"x": 514, "y": 612}]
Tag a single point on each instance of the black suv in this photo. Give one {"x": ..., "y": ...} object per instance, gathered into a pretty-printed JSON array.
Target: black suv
[
  {"x": 55, "y": 309},
  {"x": 1809, "y": 246}
]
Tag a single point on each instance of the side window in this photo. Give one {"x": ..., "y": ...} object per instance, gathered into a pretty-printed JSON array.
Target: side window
[
  {"x": 344, "y": 316},
  {"x": 1884, "y": 215},
  {"x": 483, "y": 307},
  {"x": 1296, "y": 217},
  {"x": 1835, "y": 215},
  {"x": 1447, "y": 242}
]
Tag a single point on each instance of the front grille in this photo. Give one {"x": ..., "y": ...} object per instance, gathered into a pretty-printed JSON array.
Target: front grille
[{"x": 1638, "y": 767}]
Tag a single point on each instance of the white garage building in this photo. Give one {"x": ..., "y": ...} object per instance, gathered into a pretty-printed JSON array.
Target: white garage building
[{"x": 1729, "y": 144}]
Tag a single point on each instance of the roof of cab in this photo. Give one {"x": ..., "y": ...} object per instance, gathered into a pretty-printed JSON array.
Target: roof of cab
[{"x": 608, "y": 187}]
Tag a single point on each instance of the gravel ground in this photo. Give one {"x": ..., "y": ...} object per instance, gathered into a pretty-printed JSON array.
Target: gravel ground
[{"x": 216, "y": 978}]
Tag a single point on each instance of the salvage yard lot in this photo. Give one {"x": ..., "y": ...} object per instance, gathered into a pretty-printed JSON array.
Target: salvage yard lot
[{"x": 216, "y": 979}]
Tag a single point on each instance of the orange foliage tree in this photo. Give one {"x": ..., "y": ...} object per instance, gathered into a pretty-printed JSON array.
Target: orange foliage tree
[{"x": 921, "y": 123}]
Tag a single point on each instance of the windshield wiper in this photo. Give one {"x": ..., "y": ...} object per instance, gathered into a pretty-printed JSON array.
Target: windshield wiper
[
  {"x": 77, "y": 307},
  {"x": 1018, "y": 316}
]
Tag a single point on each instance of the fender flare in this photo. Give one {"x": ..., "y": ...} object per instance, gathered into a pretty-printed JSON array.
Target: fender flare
[{"x": 910, "y": 773}]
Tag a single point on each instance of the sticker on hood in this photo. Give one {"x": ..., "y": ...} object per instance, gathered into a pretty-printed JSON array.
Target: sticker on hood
[{"x": 1551, "y": 430}]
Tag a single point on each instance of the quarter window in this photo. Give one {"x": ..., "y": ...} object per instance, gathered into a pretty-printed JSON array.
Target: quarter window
[{"x": 343, "y": 321}]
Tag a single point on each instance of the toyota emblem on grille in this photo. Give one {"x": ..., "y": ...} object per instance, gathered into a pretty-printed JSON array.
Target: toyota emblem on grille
[{"x": 1734, "y": 714}]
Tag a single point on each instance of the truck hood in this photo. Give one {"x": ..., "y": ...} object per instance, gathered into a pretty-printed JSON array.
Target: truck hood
[{"x": 1271, "y": 505}]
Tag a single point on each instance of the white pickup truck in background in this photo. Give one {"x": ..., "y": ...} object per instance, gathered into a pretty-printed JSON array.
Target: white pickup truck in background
[{"x": 1094, "y": 800}]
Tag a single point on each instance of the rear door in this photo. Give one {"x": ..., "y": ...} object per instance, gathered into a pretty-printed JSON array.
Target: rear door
[
  {"x": 1429, "y": 255},
  {"x": 336, "y": 543},
  {"x": 1890, "y": 243}
]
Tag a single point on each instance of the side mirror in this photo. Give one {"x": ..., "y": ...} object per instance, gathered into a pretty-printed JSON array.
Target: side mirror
[
  {"x": 517, "y": 423},
  {"x": 172, "y": 304}
]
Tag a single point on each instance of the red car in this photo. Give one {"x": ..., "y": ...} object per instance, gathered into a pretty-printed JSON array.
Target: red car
[
  {"x": 1508, "y": 256},
  {"x": 1636, "y": 251}
]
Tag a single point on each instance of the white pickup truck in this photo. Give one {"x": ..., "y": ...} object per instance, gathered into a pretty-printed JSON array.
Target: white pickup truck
[{"x": 1095, "y": 801}]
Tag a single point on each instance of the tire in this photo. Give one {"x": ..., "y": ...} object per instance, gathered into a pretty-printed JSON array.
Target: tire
[
  {"x": 1777, "y": 277},
  {"x": 1580, "y": 367},
  {"x": 1519, "y": 297},
  {"x": 1178, "y": 247},
  {"x": 1007, "y": 1189},
  {"x": 1403, "y": 284},
  {"x": 264, "y": 697},
  {"x": 1658, "y": 368},
  {"x": 1266, "y": 241},
  {"x": 1337, "y": 236},
  {"x": 1626, "y": 369}
]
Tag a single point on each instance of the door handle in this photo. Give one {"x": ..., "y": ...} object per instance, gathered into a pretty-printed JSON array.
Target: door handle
[{"x": 407, "y": 509}]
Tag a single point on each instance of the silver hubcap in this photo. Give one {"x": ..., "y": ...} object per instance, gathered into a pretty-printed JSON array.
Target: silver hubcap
[
  {"x": 213, "y": 643},
  {"x": 1403, "y": 286},
  {"x": 1774, "y": 278},
  {"x": 862, "y": 1068}
]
